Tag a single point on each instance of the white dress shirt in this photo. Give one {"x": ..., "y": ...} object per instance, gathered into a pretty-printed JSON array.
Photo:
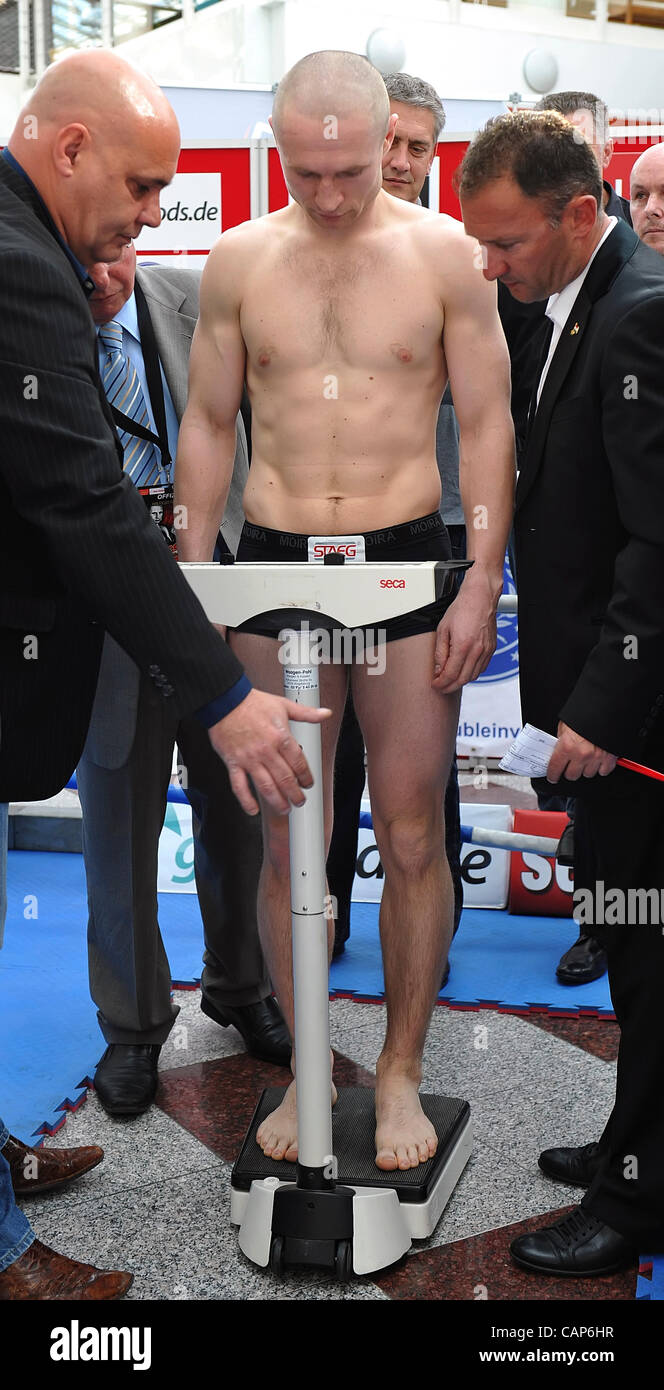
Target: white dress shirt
[{"x": 560, "y": 306}]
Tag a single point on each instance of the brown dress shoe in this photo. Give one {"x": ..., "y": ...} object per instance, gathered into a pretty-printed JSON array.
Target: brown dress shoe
[
  {"x": 43, "y": 1274},
  {"x": 40, "y": 1170}
]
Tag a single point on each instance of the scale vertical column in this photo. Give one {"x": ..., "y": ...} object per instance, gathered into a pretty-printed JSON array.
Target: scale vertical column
[{"x": 309, "y": 926}]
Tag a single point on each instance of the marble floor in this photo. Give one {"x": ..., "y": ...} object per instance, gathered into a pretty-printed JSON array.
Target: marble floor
[{"x": 159, "y": 1203}]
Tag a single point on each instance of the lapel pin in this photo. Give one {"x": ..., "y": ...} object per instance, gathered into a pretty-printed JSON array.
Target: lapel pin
[{"x": 574, "y": 330}]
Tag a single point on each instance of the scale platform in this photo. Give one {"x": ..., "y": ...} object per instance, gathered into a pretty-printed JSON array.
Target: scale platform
[{"x": 423, "y": 1192}]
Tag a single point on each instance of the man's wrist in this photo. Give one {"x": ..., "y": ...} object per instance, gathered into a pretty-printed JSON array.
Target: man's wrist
[
  {"x": 489, "y": 575},
  {"x": 194, "y": 554},
  {"x": 223, "y": 704}
]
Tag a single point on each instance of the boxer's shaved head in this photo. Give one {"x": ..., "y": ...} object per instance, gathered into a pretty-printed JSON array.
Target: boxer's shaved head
[
  {"x": 99, "y": 140},
  {"x": 331, "y": 83}
]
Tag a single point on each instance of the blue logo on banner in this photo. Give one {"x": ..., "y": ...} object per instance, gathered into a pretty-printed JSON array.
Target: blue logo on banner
[{"x": 505, "y": 661}]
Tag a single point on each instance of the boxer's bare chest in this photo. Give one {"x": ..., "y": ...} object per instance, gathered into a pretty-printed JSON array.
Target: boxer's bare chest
[{"x": 376, "y": 307}]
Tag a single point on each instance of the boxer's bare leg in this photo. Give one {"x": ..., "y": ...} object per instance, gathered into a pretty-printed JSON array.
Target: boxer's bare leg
[
  {"x": 277, "y": 1135},
  {"x": 409, "y": 731}
]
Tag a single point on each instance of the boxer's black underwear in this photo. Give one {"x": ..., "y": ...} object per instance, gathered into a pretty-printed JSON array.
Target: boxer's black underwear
[{"x": 425, "y": 538}]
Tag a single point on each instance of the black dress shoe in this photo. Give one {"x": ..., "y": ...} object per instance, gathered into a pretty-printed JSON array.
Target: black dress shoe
[
  {"x": 576, "y": 1167},
  {"x": 261, "y": 1025},
  {"x": 126, "y": 1078},
  {"x": 565, "y": 850},
  {"x": 585, "y": 961},
  {"x": 579, "y": 1245}
]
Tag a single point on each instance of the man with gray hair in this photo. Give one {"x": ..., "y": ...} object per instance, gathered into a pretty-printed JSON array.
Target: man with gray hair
[
  {"x": 590, "y": 115},
  {"x": 421, "y": 118}
]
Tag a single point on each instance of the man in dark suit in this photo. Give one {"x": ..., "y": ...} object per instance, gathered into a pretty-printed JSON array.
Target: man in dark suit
[
  {"x": 80, "y": 177},
  {"x": 590, "y": 557},
  {"x": 125, "y": 767},
  {"x": 524, "y": 325}
]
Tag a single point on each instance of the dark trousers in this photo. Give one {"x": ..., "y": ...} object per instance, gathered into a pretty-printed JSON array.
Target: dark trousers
[
  {"x": 123, "y": 779},
  {"x": 622, "y": 847}
]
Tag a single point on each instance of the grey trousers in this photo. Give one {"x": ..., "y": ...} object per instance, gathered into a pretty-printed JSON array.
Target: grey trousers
[{"x": 123, "y": 777}]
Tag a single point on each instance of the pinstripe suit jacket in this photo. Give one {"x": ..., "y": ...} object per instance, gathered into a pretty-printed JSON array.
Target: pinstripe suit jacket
[{"x": 74, "y": 534}]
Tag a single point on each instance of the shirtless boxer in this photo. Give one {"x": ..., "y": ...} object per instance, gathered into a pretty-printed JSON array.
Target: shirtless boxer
[{"x": 336, "y": 307}]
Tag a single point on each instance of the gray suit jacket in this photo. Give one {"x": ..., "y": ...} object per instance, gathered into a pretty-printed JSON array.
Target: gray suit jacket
[{"x": 172, "y": 296}]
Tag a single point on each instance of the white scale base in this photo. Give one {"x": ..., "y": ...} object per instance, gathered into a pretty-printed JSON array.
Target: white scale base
[{"x": 383, "y": 1227}]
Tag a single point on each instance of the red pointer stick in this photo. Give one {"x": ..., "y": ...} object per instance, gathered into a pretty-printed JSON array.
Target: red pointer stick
[{"x": 638, "y": 767}]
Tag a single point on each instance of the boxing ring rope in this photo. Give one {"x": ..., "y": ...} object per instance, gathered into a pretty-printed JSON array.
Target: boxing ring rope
[{"x": 491, "y": 839}]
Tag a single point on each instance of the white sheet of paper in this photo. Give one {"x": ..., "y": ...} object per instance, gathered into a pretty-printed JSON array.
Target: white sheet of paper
[{"x": 530, "y": 753}]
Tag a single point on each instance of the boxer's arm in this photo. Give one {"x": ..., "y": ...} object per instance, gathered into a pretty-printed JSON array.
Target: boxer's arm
[
  {"x": 479, "y": 374},
  {"x": 207, "y": 439}
]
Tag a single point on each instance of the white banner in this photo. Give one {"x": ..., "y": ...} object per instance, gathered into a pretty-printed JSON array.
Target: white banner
[
  {"x": 485, "y": 872},
  {"x": 175, "y": 872},
  {"x": 490, "y": 717},
  {"x": 190, "y": 216}
]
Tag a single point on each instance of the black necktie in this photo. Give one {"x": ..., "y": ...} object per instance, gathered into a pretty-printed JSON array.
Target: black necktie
[{"x": 546, "y": 343}]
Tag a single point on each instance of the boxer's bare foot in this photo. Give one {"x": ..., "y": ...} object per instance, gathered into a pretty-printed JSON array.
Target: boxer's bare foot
[
  {"x": 404, "y": 1136},
  {"x": 277, "y": 1135}
]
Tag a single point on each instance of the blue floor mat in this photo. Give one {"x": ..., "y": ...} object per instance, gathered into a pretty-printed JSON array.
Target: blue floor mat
[
  {"x": 650, "y": 1283},
  {"x": 497, "y": 961},
  {"x": 46, "y": 1012},
  {"x": 45, "y": 1006},
  {"x": 49, "y": 1037}
]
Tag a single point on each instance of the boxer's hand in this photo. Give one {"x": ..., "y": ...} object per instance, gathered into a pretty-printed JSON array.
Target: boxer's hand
[
  {"x": 574, "y": 757},
  {"x": 466, "y": 636},
  {"x": 254, "y": 739}
]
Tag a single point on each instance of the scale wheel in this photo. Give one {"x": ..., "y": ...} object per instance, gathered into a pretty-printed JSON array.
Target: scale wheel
[
  {"x": 277, "y": 1255},
  {"x": 343, "y": 1261}
]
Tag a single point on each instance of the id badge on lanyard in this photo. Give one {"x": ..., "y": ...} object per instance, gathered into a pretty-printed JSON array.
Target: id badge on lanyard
[{"x": 159, "y": 502}]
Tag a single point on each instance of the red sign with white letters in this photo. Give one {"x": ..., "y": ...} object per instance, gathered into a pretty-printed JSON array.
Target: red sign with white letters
[{"x": 539, "y": 887}]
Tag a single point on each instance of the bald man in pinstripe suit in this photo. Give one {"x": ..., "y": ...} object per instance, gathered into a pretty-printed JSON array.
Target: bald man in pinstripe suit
[{"x": 80, "y": 177}]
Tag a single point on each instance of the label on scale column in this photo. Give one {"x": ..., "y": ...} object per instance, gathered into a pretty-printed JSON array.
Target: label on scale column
[{"x": 299, "y": 680}]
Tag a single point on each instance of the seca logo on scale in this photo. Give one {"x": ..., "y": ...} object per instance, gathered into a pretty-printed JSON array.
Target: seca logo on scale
[{"x": 392, "y": 583}]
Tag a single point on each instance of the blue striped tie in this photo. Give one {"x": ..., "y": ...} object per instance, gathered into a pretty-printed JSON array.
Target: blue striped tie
[{"x": 123, "y": 390}]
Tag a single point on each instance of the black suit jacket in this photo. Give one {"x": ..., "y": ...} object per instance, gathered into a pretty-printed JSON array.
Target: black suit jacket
[
  {"x": 590, "y": 515},
  {"x": 79, "y": 553},
  {"x": 525, "y": 327}
]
